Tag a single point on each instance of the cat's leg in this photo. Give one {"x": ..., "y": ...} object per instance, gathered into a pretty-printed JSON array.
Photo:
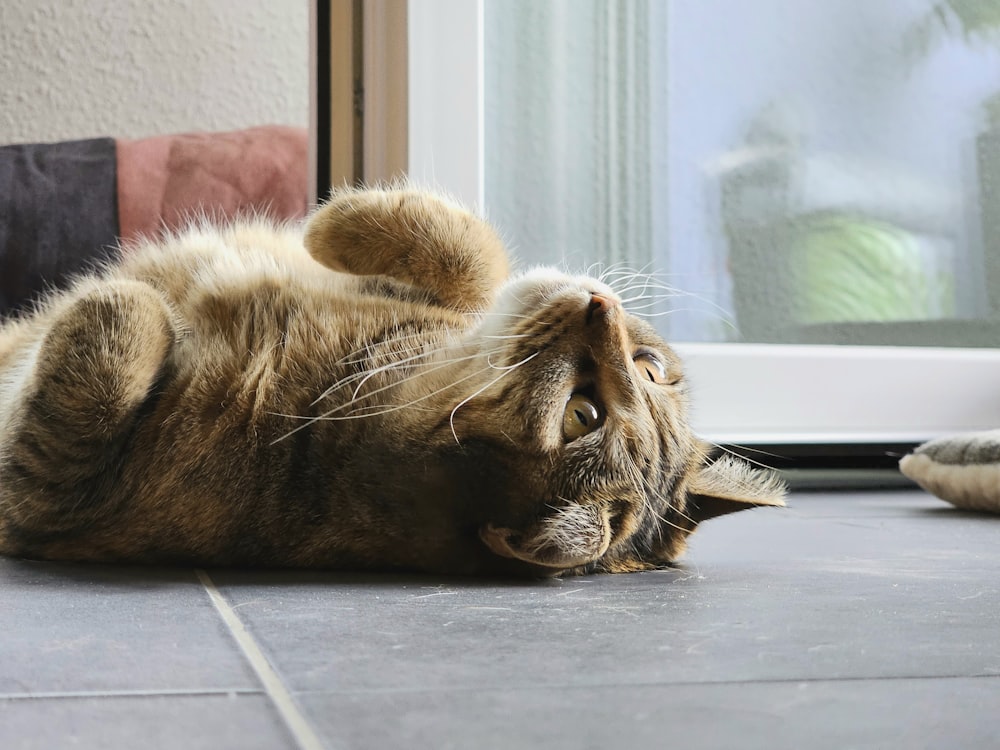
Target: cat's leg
[
  {"x": 68, "y": 397},
  {"x": 414, "y": 236}
]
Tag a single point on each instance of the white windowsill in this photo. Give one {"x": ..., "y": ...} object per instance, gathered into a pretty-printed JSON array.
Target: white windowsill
[{"x": 756, "y": 393}]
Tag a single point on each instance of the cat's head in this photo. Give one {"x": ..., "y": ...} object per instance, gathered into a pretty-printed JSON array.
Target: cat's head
[{"x": 577, "y": 438}]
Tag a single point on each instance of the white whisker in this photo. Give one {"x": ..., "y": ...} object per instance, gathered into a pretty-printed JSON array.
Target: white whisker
[
  {"x": 327, "y": 417},
  {"x": 648, "y": 490},
  {"x": 508, "y": 336},
  {"x": 365, "y": 351},
  {"x": 506, "y": 371},
  {"x": 364, "y": 376},
  {"x": 434, "y": 366},
  {"x": 397, "y": 407},
  {"x": 642, "y": 298},
  {"x": 619, "y": 269},
  {"x": 503, "y": 314},
  {"x": 743, "y": 457}
]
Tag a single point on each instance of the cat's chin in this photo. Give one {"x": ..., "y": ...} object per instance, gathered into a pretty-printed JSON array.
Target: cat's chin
[{"x": 544, "y": 549}]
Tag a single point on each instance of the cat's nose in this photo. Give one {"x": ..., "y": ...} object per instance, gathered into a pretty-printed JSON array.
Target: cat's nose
[{"x": 600, "y": 304}]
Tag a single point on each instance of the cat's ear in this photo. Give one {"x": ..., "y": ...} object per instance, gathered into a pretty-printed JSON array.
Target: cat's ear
[{"x": 728, "y": 484}]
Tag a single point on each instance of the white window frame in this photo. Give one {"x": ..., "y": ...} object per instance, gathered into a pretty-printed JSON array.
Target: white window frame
[
  {"x": 742, "y": 394},
  {"x": 446, "y": 113}
]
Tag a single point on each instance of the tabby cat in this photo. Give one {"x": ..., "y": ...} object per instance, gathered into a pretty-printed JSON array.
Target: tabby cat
[{"x": 372, "y": 392}]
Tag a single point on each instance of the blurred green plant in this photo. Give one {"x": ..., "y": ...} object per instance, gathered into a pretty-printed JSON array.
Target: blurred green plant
[
  {"x": 858, "y": 269},
  {"x": 973, "y": 20}
]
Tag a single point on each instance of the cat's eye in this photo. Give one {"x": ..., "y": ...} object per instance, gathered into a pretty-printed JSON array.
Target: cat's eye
[
  {"x": 582, "y": 416},
  {"x": 651, "y": 367}
]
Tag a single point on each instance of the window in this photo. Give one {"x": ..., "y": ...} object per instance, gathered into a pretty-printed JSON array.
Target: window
[{"x": 816, "y": 181}]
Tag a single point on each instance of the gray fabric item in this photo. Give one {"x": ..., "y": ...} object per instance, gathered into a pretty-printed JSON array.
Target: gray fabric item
[
  {"x": 58, "y": 214},
  {"x": 962, "y": 469},
  {"x": 971, "y": 448}
]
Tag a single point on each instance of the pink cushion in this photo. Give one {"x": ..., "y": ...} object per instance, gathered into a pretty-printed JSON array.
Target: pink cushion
[{"x": 164, "y": 181}]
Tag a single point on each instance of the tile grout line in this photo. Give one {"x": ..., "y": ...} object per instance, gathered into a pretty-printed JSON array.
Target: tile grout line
[
  {"x": 643, "y": 685},
  {"x": 273, "y": 686},
  {"x": 151, "y": 693}
]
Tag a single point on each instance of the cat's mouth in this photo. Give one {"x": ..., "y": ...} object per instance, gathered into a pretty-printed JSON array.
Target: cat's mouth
[{"x": 575, "y": 535}]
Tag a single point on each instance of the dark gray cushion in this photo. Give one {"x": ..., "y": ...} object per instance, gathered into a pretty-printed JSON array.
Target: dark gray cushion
[{"x": 58, "y": 214}]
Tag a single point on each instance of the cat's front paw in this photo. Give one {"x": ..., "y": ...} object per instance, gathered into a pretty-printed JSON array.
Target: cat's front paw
[{"x": 100, "y": 356}]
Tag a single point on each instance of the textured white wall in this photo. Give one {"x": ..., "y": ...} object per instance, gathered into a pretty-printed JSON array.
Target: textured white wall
[{"x": 129, "y": 68}]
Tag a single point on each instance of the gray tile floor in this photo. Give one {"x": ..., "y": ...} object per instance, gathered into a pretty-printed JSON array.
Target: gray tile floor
[{"x": 851, "y": 620}]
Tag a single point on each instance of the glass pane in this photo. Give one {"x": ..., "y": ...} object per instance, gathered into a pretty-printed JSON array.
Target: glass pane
[{"x": 795, "y": 172}]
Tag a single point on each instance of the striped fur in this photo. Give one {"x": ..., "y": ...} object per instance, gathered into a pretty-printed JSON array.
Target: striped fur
[{"x": 370, "y": 391}]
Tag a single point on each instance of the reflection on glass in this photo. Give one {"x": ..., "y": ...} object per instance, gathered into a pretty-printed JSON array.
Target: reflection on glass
[{"x": 800, "y": 172}]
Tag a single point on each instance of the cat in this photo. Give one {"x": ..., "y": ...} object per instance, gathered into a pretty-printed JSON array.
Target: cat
[{"x": 373, "y": 390}]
